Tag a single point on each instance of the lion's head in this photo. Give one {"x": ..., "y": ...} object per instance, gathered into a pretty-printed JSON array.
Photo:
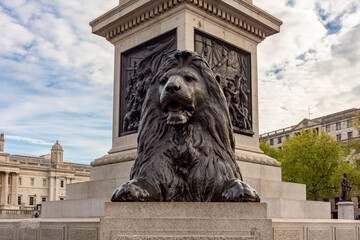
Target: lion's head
[{"x": 182, "y": 92}]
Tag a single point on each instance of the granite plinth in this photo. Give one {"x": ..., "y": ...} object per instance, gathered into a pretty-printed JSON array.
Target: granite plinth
[
  {"x": 346, "y": 210},
  {"x": 167, "y": 220}
]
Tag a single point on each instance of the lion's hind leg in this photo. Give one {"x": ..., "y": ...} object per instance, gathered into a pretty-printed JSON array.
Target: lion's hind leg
[
  {"x": 136, "y": 190},
  {"x": 238, "y": 191}
]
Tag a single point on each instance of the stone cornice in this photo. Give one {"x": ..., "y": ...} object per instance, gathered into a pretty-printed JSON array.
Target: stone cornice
[
  {"x": 261, "y": 159},
  {"x": 112, "y": 158},
  {"x": 125, "y": 17}
]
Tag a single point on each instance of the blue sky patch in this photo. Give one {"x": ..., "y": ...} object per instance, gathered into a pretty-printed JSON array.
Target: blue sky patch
[
  {"x": 290, "y": 3},
  {"x": 321, "y": 12},
  {"x": 334, "y": 27}
]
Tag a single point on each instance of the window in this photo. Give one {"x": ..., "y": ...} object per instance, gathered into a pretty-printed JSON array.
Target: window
[
  {"x": 61, "y": 198},
  {"x": 62, "y": 183},
  {"x": 32, "y": 180},
  {"x": 44, "y": 182},
  {"x": 271, "y": 142},
  {"x": 8, "y": 199},
  {"x": 287, "y": 136},
  {"x": 350, "y": 135},
  {"x": 349, "y": 123},
  {"x": 279, "y": 147},
  {"x": 327, "y": 128},
  {"x": 338, "y": 125},
  {"x": 43, "y": 199},
  {"x": 20, "y": 182},
  {"x": 279, "y": 139},
  {"x": 19, "y": 200},
  {"x": 9, "y": 180},
  {"x": 31, "y": 201},
  {"x": 338, "y": 137}
]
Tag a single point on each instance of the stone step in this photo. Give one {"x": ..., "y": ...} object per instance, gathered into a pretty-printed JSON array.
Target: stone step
[
  {"x": 277, "y": 189},
  {"x": 77, "y": 208},
  {"x": 93, "y": 189},
  {"x": 277, "y": 208},
  {"x": 287, "y": 208}
]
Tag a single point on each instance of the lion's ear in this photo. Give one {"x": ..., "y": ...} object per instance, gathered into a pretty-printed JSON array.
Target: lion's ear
[{"x": 217, "y": 77}]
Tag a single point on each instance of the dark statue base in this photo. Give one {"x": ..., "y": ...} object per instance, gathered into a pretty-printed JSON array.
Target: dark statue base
[{"x": 185, "y": 220}]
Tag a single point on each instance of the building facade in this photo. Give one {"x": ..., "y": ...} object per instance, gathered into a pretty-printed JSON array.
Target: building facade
[
  {"x": 26, "y": 181},
  {"x": 339, "y": 125}
]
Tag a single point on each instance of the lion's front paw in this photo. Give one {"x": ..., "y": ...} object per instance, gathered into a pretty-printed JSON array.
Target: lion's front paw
[
  {"x": 136, "y": 190},
  {"x": 238, "y": 191}
]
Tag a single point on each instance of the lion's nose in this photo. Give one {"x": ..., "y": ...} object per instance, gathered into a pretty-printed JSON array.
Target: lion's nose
[{"x": 172, "y": 87}]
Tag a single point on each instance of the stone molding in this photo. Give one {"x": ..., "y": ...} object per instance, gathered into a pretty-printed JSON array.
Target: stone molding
[
  {"x": 244, "y": 157},
  {"x": 112, "y": 158},
  {"x": 259, "y": 159},
  {"x": 216, "y": 9}
]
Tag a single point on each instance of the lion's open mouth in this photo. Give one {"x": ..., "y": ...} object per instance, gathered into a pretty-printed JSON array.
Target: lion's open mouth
[{"x": 177, "y": 113}]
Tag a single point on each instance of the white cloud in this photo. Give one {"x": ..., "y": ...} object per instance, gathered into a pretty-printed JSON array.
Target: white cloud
[
  {"x": 56, "y": 76},
  {"x": 29, "y": 140},
  {"x": 312, "y": 61},
  {"x": 15, "y": 36}
]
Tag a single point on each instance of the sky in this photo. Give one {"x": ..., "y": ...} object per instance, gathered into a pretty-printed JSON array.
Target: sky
[{"x": 56, "y": 77}]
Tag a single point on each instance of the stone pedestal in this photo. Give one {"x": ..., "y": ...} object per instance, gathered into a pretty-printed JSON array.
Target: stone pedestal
[
  {"x": 345, "y": 210},
  {"x": 133, "y": 27},
  {"x": 243, "y": 221}
]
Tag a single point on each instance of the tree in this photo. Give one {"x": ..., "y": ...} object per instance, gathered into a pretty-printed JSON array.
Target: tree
[
  {"x": 311, "y": 158},
  {"x": 271, "y": 152}
]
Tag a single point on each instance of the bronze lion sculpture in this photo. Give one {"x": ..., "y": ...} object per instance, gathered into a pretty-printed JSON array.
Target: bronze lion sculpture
[{"x": 185, "y": 142}]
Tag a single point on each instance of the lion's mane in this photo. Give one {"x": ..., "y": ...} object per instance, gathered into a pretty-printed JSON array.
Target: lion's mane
[{"x": 188, "y": 162}]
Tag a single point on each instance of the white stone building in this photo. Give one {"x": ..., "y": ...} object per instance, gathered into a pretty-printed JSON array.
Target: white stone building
[
  {"x": 339, "y": 125},
  {"x": 26, "y": 180}
]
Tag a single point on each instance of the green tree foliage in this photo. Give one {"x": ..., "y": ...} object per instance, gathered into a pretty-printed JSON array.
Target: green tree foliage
[
  {"x": 311, "y": 158},
  {"x": 271, "y": 152}
]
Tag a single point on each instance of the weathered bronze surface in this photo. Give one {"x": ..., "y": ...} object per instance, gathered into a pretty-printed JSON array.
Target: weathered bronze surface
[
  {"x": 136, "y": 65},
  {"x": 344, "y": 188},
  {"x": 232, "y": 67},
  {"x": 186, "y": 141}
]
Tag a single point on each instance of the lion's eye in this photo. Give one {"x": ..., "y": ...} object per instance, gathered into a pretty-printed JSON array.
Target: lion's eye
[
  {"x": 163, "y": 80},
  {"x": 190, "y": 78}
]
